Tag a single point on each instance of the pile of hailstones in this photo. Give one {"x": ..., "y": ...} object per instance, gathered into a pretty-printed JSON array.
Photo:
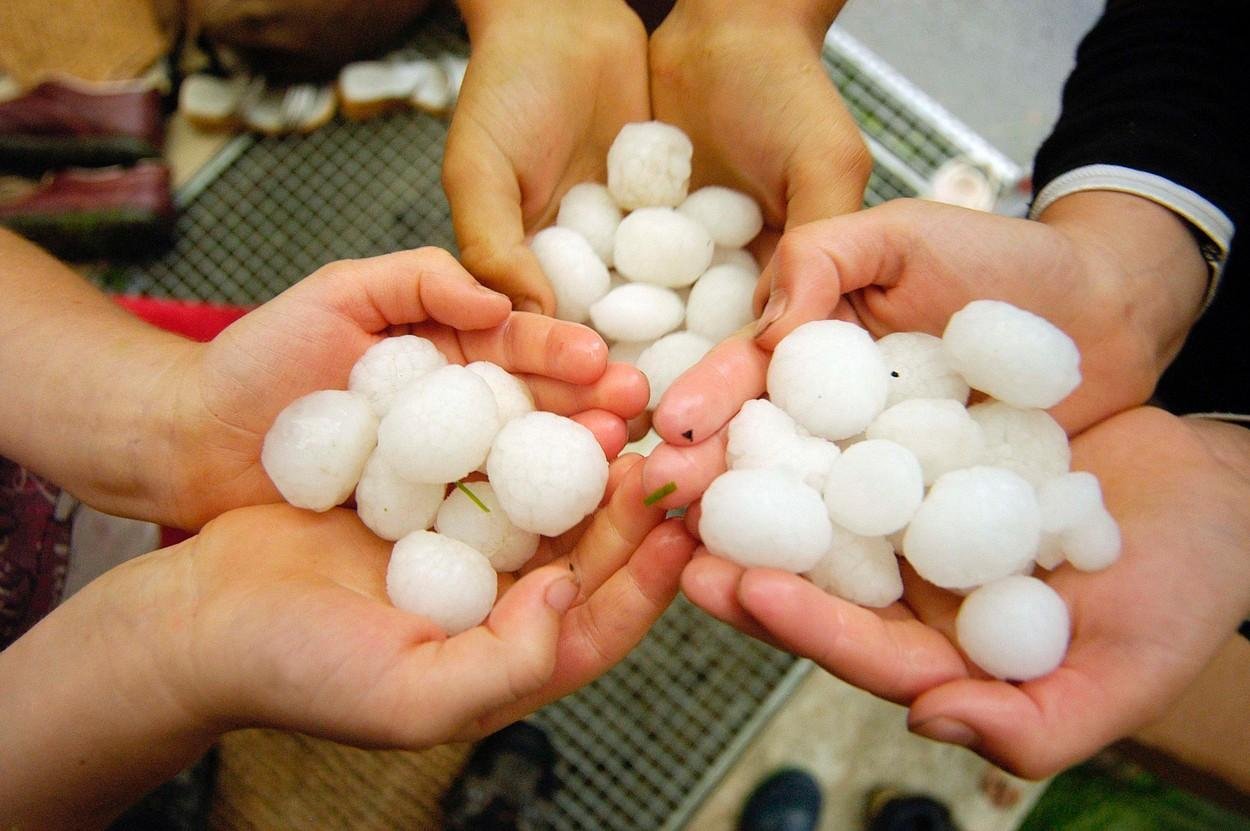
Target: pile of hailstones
[
  {"x": 639, "y": 258},
  {"x": 972, "y": 497},
  {"x": 404, "y": 435}
]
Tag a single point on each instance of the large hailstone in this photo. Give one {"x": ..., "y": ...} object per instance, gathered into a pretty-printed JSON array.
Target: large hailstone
[
  {"x": 548, "y": 472},
  {"x": 828, "y": 375},
  {"x": 490, "y": 531},
  {"x": 874, "y": 487},
  {"x": 1075, "y": 524},
  {"x": 661, "y": 246},
  {"x": 577, "y": 275},
  {"x": 976, "y": 525},
  {"x": 317, "y": 447},
  {"x": 919, "y": 369},
  {"x": 589, "y": 210},
  {"x": 1016, "y": 628},
  {"x": 731, "y": 217},
  {"x": 666, "y": 359},
  {"x": 441, "y": 579},
  {"x": 440, "y": 427},
  {"x": 739, "y": 257},
  {"x": 720, "y": 302},
  {"x": 390, "y": 365},
  {"x": 765, "y": 519},
  {"x": 649, "y": 165},
  {"x": 860, "y": 569},
  {"x": 761, "y": 435},
  {"x": 512, "y": 397},
  {"x": 1013, "y": 355},
  {"x": 391, "y": 506},
  {"x": 637, "y": 312},
  {"x": 1029, "y": 442},
  {"x": 938, "y": 430}
]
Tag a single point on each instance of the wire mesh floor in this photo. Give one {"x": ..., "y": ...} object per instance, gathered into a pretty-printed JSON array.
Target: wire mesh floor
[{"x": 641, "y": 746}]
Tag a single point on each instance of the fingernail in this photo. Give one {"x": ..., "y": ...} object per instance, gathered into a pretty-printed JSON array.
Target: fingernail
[
  {"x": 561, "y": 593},
  {"x": 948, "y": 730},
  {"x": 529, "y": 305},
  {"x": 774, "y": 309}
]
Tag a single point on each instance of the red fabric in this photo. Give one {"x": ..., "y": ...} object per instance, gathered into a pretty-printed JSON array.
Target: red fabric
[{"x": 197, "y": 321}]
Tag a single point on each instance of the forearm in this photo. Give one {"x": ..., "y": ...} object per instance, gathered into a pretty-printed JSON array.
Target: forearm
[
  {"x": 86, "y": 384},
  {"x": 482, "y": 16}
]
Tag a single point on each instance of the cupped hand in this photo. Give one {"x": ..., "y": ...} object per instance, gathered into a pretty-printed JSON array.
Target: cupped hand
[
  {"x": 547, "y": 89},
  {"x": 1141, "y": 630},
  {"x": 230, "y": 390}
]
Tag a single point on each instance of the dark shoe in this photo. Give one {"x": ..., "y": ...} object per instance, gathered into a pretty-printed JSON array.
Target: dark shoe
[
  {"x": 113, "y": 213},
  {"x": 788, "y": 800},
  {"x": 64, "y": 123},
  {"x": 181, "y": 804},
  {"x": 892, "y": 811},
  {"x": 506, "y": 784}
]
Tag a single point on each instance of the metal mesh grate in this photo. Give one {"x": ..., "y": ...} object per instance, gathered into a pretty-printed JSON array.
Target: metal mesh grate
[{"x": 641, "y": 746}]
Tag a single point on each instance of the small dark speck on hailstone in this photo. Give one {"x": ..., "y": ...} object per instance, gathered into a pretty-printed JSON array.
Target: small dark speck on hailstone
[{"x": 894, "y": 373}]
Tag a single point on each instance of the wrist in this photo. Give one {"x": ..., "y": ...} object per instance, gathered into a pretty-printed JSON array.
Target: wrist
[
  {"x": 483, "y": 17},
  {"x": 814, "y": 17}
]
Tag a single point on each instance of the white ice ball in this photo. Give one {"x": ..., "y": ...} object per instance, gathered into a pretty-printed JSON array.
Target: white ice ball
[
  {"x": 490, "y": 531},
  {"x": 739, "y": 257},
  {"x": 391, "y": 506},
  {"x": 512, "y": 397},
  {"x": 317, "y": 447},
  {"x": 762, "y": 435},
  {"x": 765, "y": 519},
  {"x": 1011, "y": 354},
  {"x": 666, "y": 359},
  {"x": 830, "y": 377},
  {"x": 440, "y": 427},
  {"x": 661, "y": 246},
  {"x": 720, "y": 302},
  {"x": 548, "y": 472},
  {"x": 938, "y": 430},
  {"x": 441, "y": 579},
  {"x": 860, "y": 569},
  {"x": 637, "y": 312},
  {"x": 589, "y": 210},
  {"x": 976, "y": 525},
  {"x": 1075, "y": 521},
  {"x": 577, "y": 275},
  {"x": 649, "y": 164},
  {"x": 731, "y": 217},
  {"x": 1029, "y": 442},
  {"x": 390, "y": 365},
  {"x": 874, "y": 487},
  {"x": 919, "y": 369},
  {"x": 1015, "y": 628}
]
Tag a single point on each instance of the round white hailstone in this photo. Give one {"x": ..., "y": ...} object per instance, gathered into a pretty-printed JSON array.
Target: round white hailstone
[
  {"x": 874, "y": 487},
  {"x": 637, "y": 312},
  {"x": 317, "y": 447},
  {"x": 757, "y": 427},
  {"x": 1075, "y": 522},
  {"x": 860, "y": 569},
  {"x": 441, "y": 579},
  {"x": 512, "y": 397},
  {"x": 731, "y": 217},
  {"x": 1094, "y": 544},
  {"x": 390, "y": 365},
  {"x": 1029, "y": 442},
  {"x": 440, "y": 427},
  {"x": 938, "y": 430},
  {"x": 830, "y": 377},
  {"x": 578, "y": 277},
  {"x": 976, "y": 525},
  {"x": 627, "y": 352},
  {"x": 720, "y": 302},
  {"x": 918, "y": 368},
  {"x": 548, "y": 472},
  {"x": 661, "y": 246},
  {"x": 391, "y": 506},
  {"x": 762, "y": 436},
  {"x": 663, "y": 361},
  {"x": 740, "y": 257},
  {"x": 589, "y": 210},
  {"x": 1015, "y": 628},
  {"x": 648, "y": 165},
  {"x": 765, "y": 519},
  {"x": 1013, "y": 355},
  {"x": 490, "y": 532}
]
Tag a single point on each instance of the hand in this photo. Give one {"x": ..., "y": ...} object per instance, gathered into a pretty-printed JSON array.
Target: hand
[
  {"x": 547, "y": 89},
  {"x": 307, "y": 339},
  {"x": 279, "y": 617},
  {"x": 1121, "y": 275},
  {"x": 1141, "y": 630}
]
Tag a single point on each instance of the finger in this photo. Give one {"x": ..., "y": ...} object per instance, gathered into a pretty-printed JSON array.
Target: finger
[
  {"x": 896, "y": 659},
  {"x": 706, "y": 396},
  {"x": 711, "y": 583},
  {"x": 536, "y": 345},
  {"x": 485, "y": 200},
  {"x": 609, "y": 429},
  {"x": 621, "y": 389},
  {"x": 685, "y": 472}
]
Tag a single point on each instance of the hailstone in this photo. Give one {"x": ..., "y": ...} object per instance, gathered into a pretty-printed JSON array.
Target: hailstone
[
  {"x": 938, "y": 430},
  {"x": 666, "y": 359},
  {"x": 649, "y": 165},
  {"x": 919, "y": 369},
  {"x": 1029, "y": 442},
  {"x": 317, "y": 446},
  {"x": 860, "y": 569},
  {"x": 577, "y": 275},
  {"x": 589, "y": 210},
  {"x": 1016, "y": 628},
  {"x": 765, "y": 519},
  {"x": 874, "y": 487},
  {"x": 720, "y": 302},
  {"x": 391, "y": 506},
  {"x": 490, "y": 531},
  {"x": 637, "y": 312},
  {"x": 761, "y": 435},
  {"x": 661, "y": 246},
  {"x": 731, "y": 217},
  {"x": 512, "y": 397},
  {"x": 390, "y": 365},
  {"x": 1076, "y": 524},
  {"x": 739, "y": 257},
  {"x": 441, "y": 579}
]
